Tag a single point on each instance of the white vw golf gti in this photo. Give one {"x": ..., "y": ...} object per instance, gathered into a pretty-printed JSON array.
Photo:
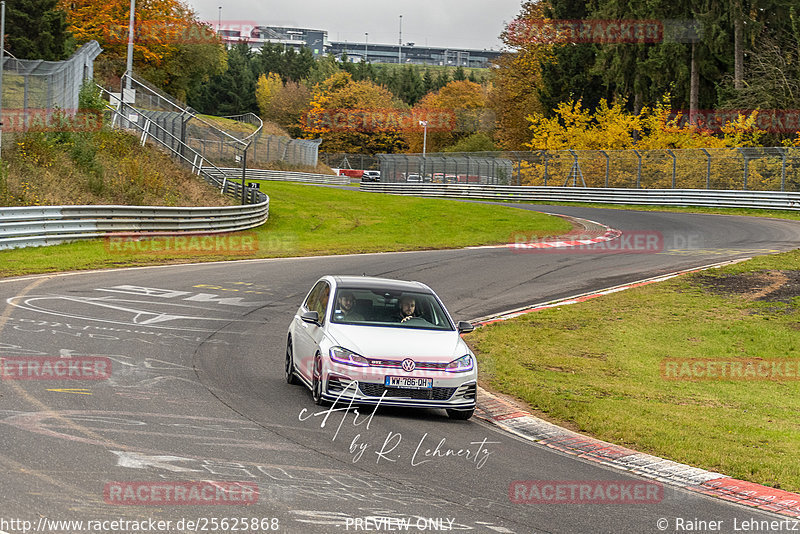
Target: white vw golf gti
[{"x": 363, "y": 340}]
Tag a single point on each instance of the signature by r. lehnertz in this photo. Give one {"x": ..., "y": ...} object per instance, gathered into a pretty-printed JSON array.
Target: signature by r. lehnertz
[{"x": 426, "y": 449}]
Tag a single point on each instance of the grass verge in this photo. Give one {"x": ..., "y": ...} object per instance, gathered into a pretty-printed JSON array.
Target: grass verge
[
  {"x": 307, "y": 220},
  {"x": 596, "y": 367},
  {"x": 96, "y": 167}
]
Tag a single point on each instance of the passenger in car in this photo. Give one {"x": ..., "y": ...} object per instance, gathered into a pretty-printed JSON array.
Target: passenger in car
[{"x": 344, "y": 309}]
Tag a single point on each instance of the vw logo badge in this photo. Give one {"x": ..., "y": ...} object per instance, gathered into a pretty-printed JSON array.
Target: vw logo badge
[{"x": 408, "y": 365}]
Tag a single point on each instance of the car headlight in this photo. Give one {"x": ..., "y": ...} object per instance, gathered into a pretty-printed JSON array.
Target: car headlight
[
  {"x": 348, "y": 357},
  {"x": 464, "y": 363}
]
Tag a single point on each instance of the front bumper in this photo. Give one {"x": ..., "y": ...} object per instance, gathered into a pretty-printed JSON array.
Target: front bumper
[{"x": 453, "y": 393}]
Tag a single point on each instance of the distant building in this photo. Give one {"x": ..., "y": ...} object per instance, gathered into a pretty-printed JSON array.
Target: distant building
[
  {"x": 413, "y": 54},
  {"x": 317, "y": 41},
  {"x": 297, "y": 38}
]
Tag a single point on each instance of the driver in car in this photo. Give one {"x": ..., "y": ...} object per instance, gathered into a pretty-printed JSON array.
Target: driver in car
[{"x": 408, "y": 309}]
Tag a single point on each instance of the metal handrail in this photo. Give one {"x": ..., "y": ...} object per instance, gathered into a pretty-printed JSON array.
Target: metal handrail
[
  {"x": 182, "y": 108},
  {"x": 199, "y": 164}
]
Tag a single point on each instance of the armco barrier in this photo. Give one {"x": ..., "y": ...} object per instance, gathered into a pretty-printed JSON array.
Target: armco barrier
[
  {"x": 285, "y": 176},
  {"x": 49, "y": 225},
  {"x": 660, "y": 197}
]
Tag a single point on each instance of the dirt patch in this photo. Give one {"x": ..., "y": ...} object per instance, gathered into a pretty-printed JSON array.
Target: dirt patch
[{"x": 765, "y": 286}]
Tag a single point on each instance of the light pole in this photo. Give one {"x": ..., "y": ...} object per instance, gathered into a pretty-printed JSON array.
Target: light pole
[
  {"x": 129, "y": 63},
  {"x": 366, "y": 46},
  {"x": 424, "y": 125},
  {"x": 400, "y": 42},
  {"x": 219, "y": 19},
  {"x": 2, "y": 64}
]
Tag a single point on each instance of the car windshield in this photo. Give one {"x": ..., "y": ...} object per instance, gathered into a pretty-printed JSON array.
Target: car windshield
[{"x": 389, "y": 307}]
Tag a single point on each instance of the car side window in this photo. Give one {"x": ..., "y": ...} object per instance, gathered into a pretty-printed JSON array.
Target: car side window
[
  {"x": 322, "y": 302},
  {"x": 318, "y": 299},
  {"x": 313, "y": 297}
]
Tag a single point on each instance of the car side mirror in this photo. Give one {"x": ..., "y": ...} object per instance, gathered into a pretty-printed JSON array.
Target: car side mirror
[
  {"x": 310, "y": 317},
  {"x": 464, "y": 327}
]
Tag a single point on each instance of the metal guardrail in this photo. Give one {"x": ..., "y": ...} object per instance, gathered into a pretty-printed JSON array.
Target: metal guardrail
[
  {"x": 661, "y": 197},
  {"x": 286, "y": 176},
  {"x": 49, "y": 225}
]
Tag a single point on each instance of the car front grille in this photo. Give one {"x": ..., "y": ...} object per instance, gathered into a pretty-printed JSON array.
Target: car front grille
[
  {"x": 377, "y": 390},
  {"x": 398, "y": 364}
]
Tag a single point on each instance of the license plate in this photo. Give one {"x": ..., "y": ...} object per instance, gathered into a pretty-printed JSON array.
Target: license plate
[{"x": 408, "y": 382}]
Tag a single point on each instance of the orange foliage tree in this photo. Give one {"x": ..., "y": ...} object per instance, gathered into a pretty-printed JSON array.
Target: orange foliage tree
[
  {"x": 355, "y": 117},
  {"x": 171, "y": 47},
  {"x": 465, "y": 103}
]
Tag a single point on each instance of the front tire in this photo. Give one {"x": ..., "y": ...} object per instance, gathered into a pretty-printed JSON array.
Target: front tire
[
  {"x": 316, "y": 381},
  {"x": 460, "y": 415},
  {"x": 291, "y": 378}
]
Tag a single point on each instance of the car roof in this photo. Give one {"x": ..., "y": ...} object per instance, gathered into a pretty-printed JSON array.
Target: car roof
[{"x": 369, "y": 282}]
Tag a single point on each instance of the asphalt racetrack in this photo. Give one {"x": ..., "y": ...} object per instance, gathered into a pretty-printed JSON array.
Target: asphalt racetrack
[{"x": 196, "y": 393}]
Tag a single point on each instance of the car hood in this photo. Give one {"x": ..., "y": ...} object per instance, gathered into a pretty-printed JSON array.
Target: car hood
[{"x": 399, "y": 343}]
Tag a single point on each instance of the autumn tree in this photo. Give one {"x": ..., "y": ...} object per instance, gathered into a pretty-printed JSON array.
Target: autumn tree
[
  {"x": 466, "y": 103},
  {"x": 171, "y": 47},
  {"x": 354, "y": 116},
  {"x": 287, "y": 106},
  {"x": 266, "y": 89},
  {"x": 613, "y": 127},
  {"x": 477, "y": 142},
  {"x": 518, "y": 82}
]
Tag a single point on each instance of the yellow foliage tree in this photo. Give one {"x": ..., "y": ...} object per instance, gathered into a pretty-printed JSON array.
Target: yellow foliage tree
[
  {"x": 643, "y": 140},
  {"x": 266, "y": 89}
]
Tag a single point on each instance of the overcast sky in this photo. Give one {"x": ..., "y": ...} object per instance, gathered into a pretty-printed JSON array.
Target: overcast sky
[{"x": 456, "y": 23}]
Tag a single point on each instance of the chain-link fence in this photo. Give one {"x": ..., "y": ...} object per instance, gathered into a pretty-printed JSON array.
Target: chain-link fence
[
  {"x": 265, "y": 149},
  {"x": 341, "y": 160},
  {"x": 37, "y": 87},
  {"x": 754, "y": 168}
]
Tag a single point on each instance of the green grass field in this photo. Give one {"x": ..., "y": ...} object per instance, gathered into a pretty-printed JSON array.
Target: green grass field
[
  {"x": 596, "y": 367},
  {"x": 307, "y": 220}
]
